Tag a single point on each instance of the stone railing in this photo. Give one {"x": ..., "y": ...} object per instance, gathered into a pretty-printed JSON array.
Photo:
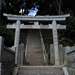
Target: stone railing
[
  {"x": 71, "y": 71},
  {"x": 26, "y": 49},
  {"x": 70, "y": 56},
  {"x": 45, "y": 55},
  {"x": 66, "y": 55},
  {"x": 7, "y": 59},
  {"x": 62, "y": 54},
  {"x": 20, "y": 54}
]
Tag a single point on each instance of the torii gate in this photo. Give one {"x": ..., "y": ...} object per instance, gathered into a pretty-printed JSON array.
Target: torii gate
[{"x": 36, "y": 25}]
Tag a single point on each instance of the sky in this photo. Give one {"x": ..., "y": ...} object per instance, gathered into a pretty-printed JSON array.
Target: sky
[{"x": 31, "y": 12}]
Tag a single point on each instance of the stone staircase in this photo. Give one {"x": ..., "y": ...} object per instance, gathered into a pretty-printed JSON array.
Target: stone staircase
[
  {"x": 35, "y": 60},
  {"x": 40, "y": 70},
  {"x": 34, "y": 51}
]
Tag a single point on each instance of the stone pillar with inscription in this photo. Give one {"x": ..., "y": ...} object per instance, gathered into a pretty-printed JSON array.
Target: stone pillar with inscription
[
  {"x": 22, "y": 49},
  {"x": 16, "y": 44},
  {"x": 61, "y": 58},
  {"x": 55, "y": 40},
  {"x": 65, "y": 59},
  {"x": 52, "y": 56}
]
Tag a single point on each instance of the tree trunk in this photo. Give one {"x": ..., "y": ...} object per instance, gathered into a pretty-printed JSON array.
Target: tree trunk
[
  {"x": 60, "y": 7},
  {"x": 0, "y": 10}
]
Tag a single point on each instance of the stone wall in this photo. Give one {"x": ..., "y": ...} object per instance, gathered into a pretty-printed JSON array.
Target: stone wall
[
  {"x": 71, "y": 71},
  {"x": 61, "y": 54},
  {"x": 70, "y": 56},
  {"x": 7, "y": 59},
  {"x": 20, "y": 54},
  {"x": 66, "y": 55}
]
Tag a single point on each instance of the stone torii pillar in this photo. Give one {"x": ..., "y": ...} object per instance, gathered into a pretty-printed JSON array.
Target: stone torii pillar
[
  {"x": 16, "y": 42},
  {"x": 55, "y": 40}
]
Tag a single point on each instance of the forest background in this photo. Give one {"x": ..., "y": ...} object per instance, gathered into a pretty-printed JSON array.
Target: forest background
[{"x": 45, "y": 7}]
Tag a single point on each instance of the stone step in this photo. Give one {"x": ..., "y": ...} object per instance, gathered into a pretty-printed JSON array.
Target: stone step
[
  {"x": 36, "y": 38},
  {"x": 35, "y": 74},
  {"x": 32, "y": 40},
  {"x": 40, "y": 70},
  {"x": 32, "y": 36},
  {"x": 36, "y": 44},
  {"x": 34, "y": 64},
  {"x": 37, "y": 55},
  {"x": 35, "y": 59},
  {"x": 40, "y": 67},
  {"x": 34, "y": 47},
  {"x": 35, "y": 52}
]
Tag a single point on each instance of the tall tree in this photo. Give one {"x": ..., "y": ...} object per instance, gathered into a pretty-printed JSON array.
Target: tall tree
[
  {"x": 58, "y": 7},
  {"x": 69, "y": 4},
  {"x": 0, "y": 10}
]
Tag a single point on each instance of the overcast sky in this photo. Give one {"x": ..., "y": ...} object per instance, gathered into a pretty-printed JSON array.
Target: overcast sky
[{"x": 31, "y": 12}]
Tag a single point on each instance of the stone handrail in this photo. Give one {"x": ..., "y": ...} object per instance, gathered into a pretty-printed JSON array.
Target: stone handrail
[
  {"x": 43, "y": 48},
  {"x": 9, "y": 49},
  {"x": 26, "y": 49},
  {"x": 65, "y": 71},
  {"x": 7, "y": 58},
  {"x": 15, "y": 70}
]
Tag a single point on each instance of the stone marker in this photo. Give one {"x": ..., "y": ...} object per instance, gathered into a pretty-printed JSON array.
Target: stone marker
[
  {"x": 22, "y": 49},
  {"x": 61, "y": 54},
  {"x": 0, "y": 68},
  {"x": 64, "y": 55},
  {"x": 1, "y": 47},
  {"x": 52, "y": 56},
  {"x": 20, "y": 53}
]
